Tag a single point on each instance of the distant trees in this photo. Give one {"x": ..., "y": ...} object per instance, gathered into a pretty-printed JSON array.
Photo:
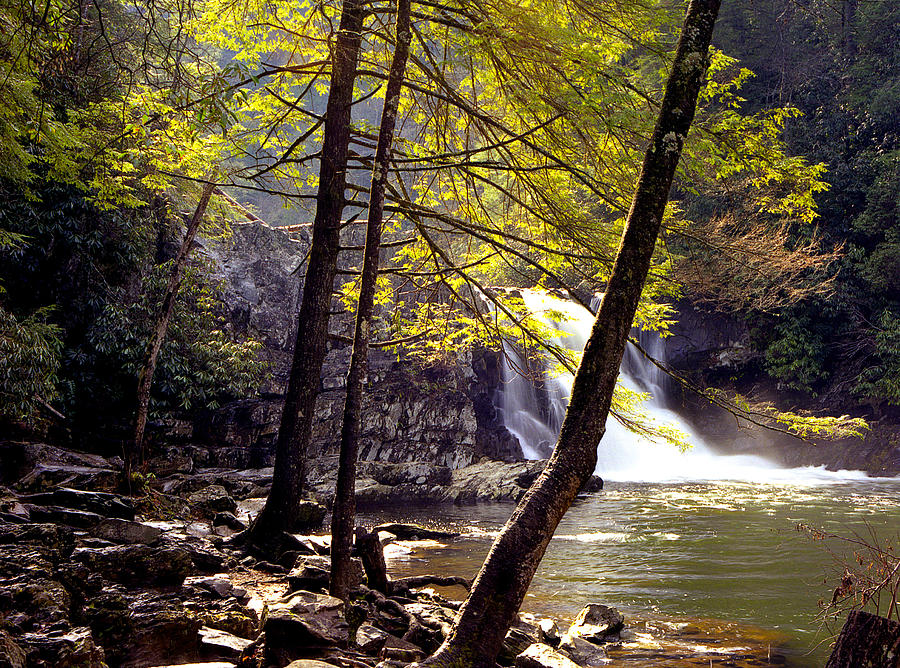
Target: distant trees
[{"x": 838, "y": 63}]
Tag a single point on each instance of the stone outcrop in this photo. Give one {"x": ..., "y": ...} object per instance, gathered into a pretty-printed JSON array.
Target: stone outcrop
[{"x": 443, "y": 416}]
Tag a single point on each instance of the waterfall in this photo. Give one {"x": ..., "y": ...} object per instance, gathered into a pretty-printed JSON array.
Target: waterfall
[{"x": 533, "y": 412}]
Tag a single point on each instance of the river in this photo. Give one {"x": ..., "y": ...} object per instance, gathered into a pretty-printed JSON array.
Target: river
[
  {"x": 704, "y": 571},
  {"x": 699, "y": 549}
]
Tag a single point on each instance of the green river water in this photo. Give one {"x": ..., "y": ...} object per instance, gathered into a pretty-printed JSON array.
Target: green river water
[{"x": 707, "y": 573}]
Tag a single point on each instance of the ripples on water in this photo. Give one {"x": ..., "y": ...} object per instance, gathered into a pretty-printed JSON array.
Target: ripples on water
[{"x": 716, "y": 565}]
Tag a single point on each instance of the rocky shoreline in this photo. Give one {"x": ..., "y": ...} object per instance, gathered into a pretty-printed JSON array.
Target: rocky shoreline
[{"x": 90, "y": 577}]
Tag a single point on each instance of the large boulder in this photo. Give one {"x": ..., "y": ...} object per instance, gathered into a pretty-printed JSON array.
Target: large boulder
[
  {"x": 137, "y": 564},
  {"x": 163, "y": 632},
  {"x": 36, "y": 466},
  {"x": 597, "y": 623},
  {"x": 302, "y": 623}
]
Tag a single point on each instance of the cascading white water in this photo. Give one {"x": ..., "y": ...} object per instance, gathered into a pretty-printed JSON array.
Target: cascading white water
[{"x": 534, "y": 414}]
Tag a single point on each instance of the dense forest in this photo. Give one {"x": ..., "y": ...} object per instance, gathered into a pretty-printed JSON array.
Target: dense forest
[{"x": 428, "y": 168}]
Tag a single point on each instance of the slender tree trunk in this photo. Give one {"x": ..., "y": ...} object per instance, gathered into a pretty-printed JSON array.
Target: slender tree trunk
[
  {"x": 501, "y": 585},
  {"x": 148, "y": 367},
  {"x": 281, "y": 510},
  {"x": 344, "y": 511}
]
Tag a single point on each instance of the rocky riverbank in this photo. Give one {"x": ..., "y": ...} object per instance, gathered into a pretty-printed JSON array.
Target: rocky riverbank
[{"x": 93, "y": 577}]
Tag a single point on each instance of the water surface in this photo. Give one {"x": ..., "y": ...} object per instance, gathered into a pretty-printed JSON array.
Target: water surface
[{"x": 719, "y": 562}]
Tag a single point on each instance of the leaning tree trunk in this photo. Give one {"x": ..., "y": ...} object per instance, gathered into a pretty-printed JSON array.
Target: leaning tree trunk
[
  {"x": 867, "y": 640},
  {"x": 289, "y": 478},
  {"x": 148, "y": 367},
  {"x": 504, "y": 578},
  {"x": 344, "y": 511}
]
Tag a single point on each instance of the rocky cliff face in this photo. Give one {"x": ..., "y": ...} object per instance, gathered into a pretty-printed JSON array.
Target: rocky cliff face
[
  {"x": 445, "y": 416},
  {"x": 713, "y": 349}
]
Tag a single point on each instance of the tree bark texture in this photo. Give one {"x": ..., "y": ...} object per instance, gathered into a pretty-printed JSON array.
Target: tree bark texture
[
  {"x": 280, "y": 512},
  {"x": 501, "y": 585},
  {"x": 344, "y": 510},
  {"x": 371, "y": 553},
  {"x": 158, "y": 336},
  {"x": 866, "y": 640}
]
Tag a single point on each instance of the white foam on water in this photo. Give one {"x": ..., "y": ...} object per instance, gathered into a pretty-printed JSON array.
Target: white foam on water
[{"x": 622, "y": 455}]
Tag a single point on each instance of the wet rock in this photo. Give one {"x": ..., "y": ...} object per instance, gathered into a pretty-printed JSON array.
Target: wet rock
[
  {"x": 125, "y": 531},
  {"x": 137, "y": 564},
  {"x": 539, "y": 655},
  {"x": 303, "y": 621},
  {"x": 371, "y": 639},
  {"x": 73, "y": 648},
  {"x": 221, "y": 644},
  {"x": 309, "y": 663},
  {"x": 212, "y": 498},
  {"x": 11, "y": 655},
  {"x": 102, "y": 503},
  {"x": 597, "y": 623},
  {"x": 549, "y": 632},
  {"x": 582, "y": 652},
  {"x": 413, "y": 532}
]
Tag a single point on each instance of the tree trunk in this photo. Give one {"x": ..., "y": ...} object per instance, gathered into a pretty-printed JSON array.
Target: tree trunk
[
  {"x": 148, "y": 367},
  {"x": 503, "y": 581},
  {"x": 344, "y": 497},
  {"x": 371, "y": 553},
  {"x": 281, "y": 510},
  {"x": 867, "y": 640}
]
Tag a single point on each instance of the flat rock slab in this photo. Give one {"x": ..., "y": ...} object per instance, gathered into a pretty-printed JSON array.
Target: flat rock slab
[
  {"x": 222, "y": 643},
  {"x": 309, "y": 663},
  {"x": 102, "y": 503},
  {"x": 125, "y": 531}
]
